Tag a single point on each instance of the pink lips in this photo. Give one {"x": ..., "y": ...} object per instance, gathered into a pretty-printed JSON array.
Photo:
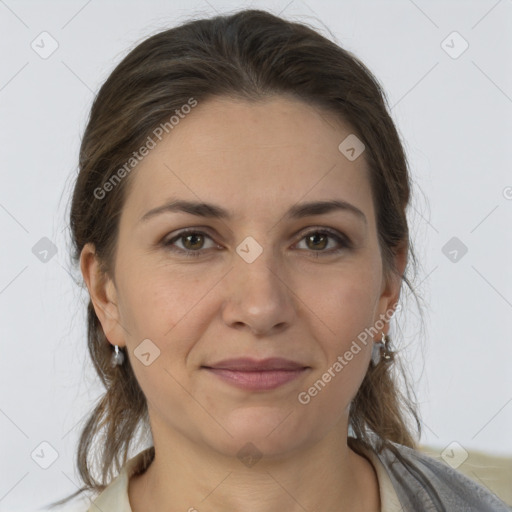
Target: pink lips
[{"x": 257, "y": 375}]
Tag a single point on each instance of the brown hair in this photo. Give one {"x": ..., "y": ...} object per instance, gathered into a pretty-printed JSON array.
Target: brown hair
[{"x": 251, "y": 54}]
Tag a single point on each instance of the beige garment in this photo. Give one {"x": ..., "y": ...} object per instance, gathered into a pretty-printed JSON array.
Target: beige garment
[
  {"x": 490, "y": 470},
  {"x": 115, "y": 497},
  {"x": 388, "y": 498}
]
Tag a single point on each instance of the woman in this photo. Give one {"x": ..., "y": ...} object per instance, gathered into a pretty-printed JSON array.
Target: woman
[{"x": 240, "y": 222}]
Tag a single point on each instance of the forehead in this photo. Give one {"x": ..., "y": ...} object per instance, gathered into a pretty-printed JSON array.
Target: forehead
[{"x": 254, "y": 156}]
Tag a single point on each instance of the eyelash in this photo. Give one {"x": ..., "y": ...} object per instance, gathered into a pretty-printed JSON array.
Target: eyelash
[{"x": 339, "y": 238}]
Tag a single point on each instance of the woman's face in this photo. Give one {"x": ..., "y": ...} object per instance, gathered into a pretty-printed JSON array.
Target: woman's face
[{"x": 269, "y": 278}]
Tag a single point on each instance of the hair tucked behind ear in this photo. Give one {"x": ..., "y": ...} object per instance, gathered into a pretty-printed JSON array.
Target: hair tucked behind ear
[
  {"x": 119, "y": 411},
  {"x": 250, "y": 55}
]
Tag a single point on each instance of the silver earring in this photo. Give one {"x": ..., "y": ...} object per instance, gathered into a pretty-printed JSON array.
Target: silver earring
[
  {"x": 117, "y": 357},
  {"x": 381, "y": 351}
]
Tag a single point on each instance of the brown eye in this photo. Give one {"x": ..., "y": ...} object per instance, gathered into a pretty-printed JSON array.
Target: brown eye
[
  {"x": 192, "y": 243},
  {"x": 319, "y": 240}
]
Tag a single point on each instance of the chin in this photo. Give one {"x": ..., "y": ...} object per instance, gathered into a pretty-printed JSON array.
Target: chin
[{"x": 269, "y": 431}]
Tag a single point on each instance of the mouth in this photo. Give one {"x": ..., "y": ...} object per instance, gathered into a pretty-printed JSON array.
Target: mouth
[
  {"x": 246, "y": 364},
  {"x": 257, "y": 375}
]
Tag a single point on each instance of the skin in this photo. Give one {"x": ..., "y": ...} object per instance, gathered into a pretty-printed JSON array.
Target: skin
[{"x": 295, "y": 301}]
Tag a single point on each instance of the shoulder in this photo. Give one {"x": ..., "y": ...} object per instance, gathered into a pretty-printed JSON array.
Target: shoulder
[
  {"x": 114, "y": 498},
  {"x": 426, "y": 484}
]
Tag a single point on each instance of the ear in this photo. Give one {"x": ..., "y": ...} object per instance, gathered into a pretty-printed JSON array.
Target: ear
[
  {"x": 391, "y": 289},
  {"x": 103, "y": 295}
]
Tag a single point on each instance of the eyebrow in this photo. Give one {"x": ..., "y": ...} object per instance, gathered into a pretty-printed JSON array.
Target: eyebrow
[{"x": 209, "y": 210}]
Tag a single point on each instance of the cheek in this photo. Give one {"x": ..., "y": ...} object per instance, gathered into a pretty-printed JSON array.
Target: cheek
[
  {"x": 346, "y": 312},
  {"x": 154, "y": 298},
  {"x": 160, "y": 309},
  {"x": 344, "y": 302},
  {"x": 170, "y": 309}
]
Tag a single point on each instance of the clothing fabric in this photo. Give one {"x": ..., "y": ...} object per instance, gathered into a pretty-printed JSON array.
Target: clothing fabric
[
  {"x": 424, "y": 484},
  {"x": 409, "y": 481}
]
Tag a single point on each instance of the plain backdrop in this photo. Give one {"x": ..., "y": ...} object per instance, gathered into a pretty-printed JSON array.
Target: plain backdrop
[{"x": 451, "y": 98}]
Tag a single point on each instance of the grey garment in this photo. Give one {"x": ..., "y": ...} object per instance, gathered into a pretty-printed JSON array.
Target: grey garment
[{"x": 424, "y": 484}]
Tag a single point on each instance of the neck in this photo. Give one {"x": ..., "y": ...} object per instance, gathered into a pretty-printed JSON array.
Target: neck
[{"x": 326, "y": 475}]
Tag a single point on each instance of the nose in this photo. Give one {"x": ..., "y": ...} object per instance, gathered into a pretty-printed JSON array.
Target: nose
[{"x": 258, "y": 296}]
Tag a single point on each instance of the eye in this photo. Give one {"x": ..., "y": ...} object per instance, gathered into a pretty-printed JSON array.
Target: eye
[
  {"x": 192, "y": 242},
  {"x": 318, "y": 239}
]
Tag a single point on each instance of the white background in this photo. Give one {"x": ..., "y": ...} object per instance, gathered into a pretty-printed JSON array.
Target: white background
[{"x": 454, "y": 115}]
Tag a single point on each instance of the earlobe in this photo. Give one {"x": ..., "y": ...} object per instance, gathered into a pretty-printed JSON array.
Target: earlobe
[{"x": 102, "y": 292}]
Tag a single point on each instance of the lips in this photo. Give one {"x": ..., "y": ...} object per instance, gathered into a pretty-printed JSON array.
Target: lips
[
  {"x": 255, "y": 365},
  {"x": 257, "y": 375}
]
